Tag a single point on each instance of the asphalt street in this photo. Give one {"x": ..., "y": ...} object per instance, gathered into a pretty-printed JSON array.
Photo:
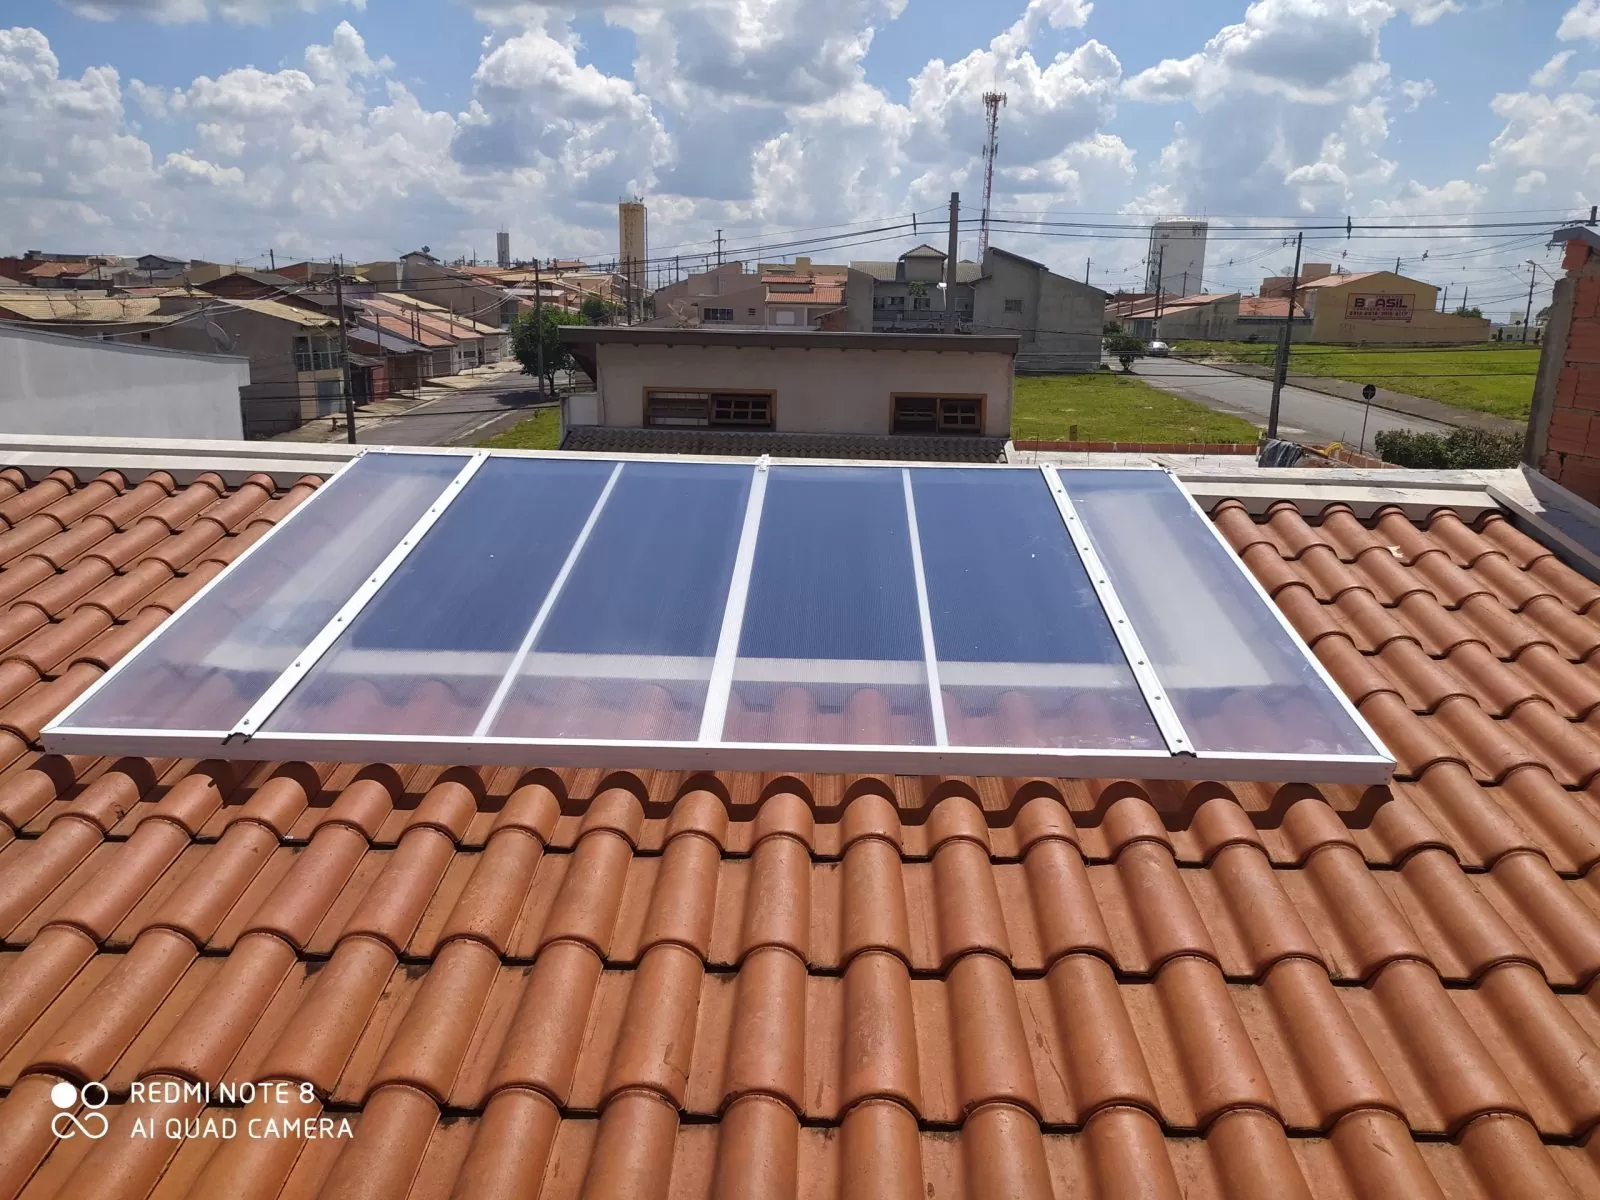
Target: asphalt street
[
  {"x": 1302, "y": 416},
  {"x": 459, "y": 418}
]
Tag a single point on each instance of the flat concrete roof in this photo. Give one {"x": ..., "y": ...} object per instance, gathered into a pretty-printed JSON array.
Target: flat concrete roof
[{"x": 787, "y": 339}]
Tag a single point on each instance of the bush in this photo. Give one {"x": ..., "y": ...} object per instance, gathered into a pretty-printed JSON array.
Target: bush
[{"x": 1461, "y": 450}]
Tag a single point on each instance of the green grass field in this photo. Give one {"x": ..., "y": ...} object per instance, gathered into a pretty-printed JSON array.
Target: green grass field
[
  {"x": 542, "y": 431},
  {"x": 1108, "y": 406},
  {"x": 1492, "y": 377}
]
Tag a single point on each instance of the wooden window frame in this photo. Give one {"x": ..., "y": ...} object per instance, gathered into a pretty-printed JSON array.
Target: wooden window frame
[
  {"x": 940, "y": 429},
  {"x": 709, "y": 399}
]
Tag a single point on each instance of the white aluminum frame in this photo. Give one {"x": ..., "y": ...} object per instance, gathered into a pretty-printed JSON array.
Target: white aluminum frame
[
  {"x": 1179, "y": 761},
  {"x": 715, "y": 713},
  {"x": 930, "y": 659},
  {"x": 275, "y": 695},
  {"x": 1144, "y": 675},
  {"x": 1289, "y": 631},
  {"x": 117, "y": 668}
]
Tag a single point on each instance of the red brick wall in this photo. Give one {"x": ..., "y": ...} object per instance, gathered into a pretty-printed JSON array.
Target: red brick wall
[{"x": 1572, "y": 441}]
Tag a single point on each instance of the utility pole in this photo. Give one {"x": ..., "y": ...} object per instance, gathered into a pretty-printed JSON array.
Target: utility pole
[
  {"x": 344, "y": 357},
  {"x": 1087, "y": 263},
  {"x": 719, "y": 247},
  {"x": 273, "y": 259},
  {"x": 1281, "y": 370},
  {"x": 950, "y": 264},
  {"x": 1465, "y": 292},
  {"x": 1444, "y": 305},
  {"x": 1161, "y": 267},
  {"x": 538, "y": 322},
  {"x": 1397, "y": 266},
  {"x": 1185, "y": 291},
  {"x": 676, "y": 269},
  {"x": 1533, "y": 278}
]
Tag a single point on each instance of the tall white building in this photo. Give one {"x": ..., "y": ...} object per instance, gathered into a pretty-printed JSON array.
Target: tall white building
[{"x": 1178, "y": 253}]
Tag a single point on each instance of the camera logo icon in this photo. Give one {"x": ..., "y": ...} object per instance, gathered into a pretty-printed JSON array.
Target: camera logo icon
[{"x": 91, "y": 1122}]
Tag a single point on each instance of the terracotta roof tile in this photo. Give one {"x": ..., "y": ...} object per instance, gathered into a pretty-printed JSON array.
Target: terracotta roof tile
[{"x": 584, "y": 982}]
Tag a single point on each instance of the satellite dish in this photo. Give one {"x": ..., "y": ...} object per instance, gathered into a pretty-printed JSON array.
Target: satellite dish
[{"x": 224, "y": 341}]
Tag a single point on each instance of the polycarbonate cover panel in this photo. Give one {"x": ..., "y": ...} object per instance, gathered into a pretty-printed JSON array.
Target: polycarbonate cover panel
[
  {"x": 1237, "y": 680},
  {"x": 628, "y": 648},
  {"x": 1026, "y": 655},
  {"x": 831, "y": 650},
  {"x": 429, "y": 650},
  {"x": 566, "y": 611},
  {"x": 205, "y": 669}
]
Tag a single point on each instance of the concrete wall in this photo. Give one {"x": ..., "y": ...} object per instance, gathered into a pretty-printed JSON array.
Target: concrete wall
[
  {"x": 816, "y": 391},
  {"x": 65, "y": 385},
  {"x": 1564, "y": 429},
  {"x": 858, "y": 290}
]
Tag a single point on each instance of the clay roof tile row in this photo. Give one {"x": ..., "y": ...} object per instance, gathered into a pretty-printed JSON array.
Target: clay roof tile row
[{"x": 584, "y": 982}]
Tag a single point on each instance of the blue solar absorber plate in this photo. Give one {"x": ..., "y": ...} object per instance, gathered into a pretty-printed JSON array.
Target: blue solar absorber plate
[
  {"x": 625, "y": 648},
  {"x": 1026, "y": 655},
  {"x": 204, "y": 669},
  {"x": 1237, "y": 679},
  {"x": 832, "y": 650}
]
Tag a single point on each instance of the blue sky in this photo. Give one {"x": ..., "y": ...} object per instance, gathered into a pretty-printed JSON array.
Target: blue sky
[{"x": 363, "y": 127}]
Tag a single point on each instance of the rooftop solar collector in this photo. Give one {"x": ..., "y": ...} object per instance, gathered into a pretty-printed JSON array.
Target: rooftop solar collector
[{"x": 543, "y": 609}]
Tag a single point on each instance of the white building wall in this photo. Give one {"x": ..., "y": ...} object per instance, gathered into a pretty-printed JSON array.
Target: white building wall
[
  {"x": 66, "y": 385},
  {"x": 815, "y": 391},
  {"x": 1183, "y": 265}
]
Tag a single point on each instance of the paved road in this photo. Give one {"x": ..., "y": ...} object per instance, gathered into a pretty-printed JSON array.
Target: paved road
[
  {"x": 1302, "y": 416},
  {"x": 460, "y": 418}
]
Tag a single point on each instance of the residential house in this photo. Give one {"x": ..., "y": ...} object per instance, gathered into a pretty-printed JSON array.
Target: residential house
[
  {"x": 724, "y": 295},
  {"x": 1179, "y": 317},
  {"x": 297, "y": 373},
  {"x": 252, "y": 285},
  {"x": 907, "y": 294},
  {"x": 58, "y": 384},
  {"x": 791, "y": 295},
  {"x": 454, "y": 289},
  {"x": 710, "y": 389},
  {"x": 613, "y": 981},
  {"x": 98, "y": 315},
  {"x": 1061, "y": 321}
]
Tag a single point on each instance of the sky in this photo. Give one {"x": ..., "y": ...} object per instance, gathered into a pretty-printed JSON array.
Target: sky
[{"x": 247, "y": 130}]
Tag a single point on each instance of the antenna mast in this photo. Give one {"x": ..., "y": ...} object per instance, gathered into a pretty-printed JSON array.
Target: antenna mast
[{"x": 992, "y": 103}]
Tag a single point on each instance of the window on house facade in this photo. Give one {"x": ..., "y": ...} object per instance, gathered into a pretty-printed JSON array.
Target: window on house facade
[
  {"x": 938, "y": 414},
  {"x": 717, "y": 314},
  {"x": 1014, "y": 306},
  {"x": 921, "y": 302},
  {"x": 702, "y": 410},
  {"x": 319, "y": 353}
]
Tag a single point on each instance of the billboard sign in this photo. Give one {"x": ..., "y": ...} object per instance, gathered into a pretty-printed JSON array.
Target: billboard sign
[{"x": 1379, "y": 307}]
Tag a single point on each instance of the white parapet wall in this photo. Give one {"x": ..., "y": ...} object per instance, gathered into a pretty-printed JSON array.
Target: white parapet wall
[{"x": 59, "y": 384}]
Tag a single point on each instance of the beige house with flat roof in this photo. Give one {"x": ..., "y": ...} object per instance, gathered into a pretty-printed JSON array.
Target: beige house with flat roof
[{"x": 940, "y": 390}]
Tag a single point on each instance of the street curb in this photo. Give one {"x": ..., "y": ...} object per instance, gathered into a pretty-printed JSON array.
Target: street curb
[{"x": 1397, "y": 402}]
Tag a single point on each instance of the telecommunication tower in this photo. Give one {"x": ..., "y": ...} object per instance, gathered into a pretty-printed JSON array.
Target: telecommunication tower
[{"x": 993, "y": 102}]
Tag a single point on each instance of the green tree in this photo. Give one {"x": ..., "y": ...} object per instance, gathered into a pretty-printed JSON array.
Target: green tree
[
  {"x": 597, "y": 310},
  {"x": 542, "y": 328},
  {"x": 1464, "y": 311},
  {"x": 1126, "y": 347}
]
